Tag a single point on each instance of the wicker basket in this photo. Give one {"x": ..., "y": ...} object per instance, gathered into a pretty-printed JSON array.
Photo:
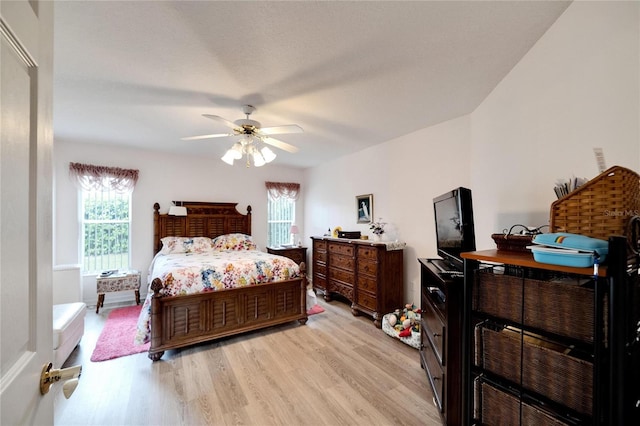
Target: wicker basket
[
  {"x": 545, "y": 367},
  {"x": 495, "y": 407},
  {"x": 562, "y": 306},
  {"x": 600, "y": 208},
  {"x": 512, "y": 242}
]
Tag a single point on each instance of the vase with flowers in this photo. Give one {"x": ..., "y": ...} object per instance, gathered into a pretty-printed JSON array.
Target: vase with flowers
[{"x": 378, "y": 229}]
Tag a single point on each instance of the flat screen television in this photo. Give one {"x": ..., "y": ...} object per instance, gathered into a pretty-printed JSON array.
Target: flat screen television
[{"x": 454, "y": 226}]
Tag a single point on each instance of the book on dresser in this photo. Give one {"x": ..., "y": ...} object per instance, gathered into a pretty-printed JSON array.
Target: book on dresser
[{"x": 367, "y": 274}]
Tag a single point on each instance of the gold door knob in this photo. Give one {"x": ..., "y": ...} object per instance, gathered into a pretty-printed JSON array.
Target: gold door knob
[{"x": 69, "y": 375}]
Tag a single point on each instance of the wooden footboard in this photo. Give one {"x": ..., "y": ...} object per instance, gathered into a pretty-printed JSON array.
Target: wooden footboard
[{"x": 179, "y": 321}]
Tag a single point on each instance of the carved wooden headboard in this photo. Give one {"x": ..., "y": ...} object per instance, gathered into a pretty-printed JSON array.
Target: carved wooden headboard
[{"x": 202, "y": 220}]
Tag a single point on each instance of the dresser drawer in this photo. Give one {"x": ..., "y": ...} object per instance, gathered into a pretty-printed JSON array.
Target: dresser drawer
[
  {"x": 319, "y": 256},
  {"x": 366, "y": 283},
  {"x": 319, "y": 281},
  {"x": 342, "y": 262},
  {"x": 370, "y": 253},
  {"x": 297, "y": 257},
  {"x": 434, "y": 330},
  {"x": 435, "y": 373},
  {"x": 320, "y": 269},
  {"x": 341, "y": 275},
  {"x": 346, "y": 249},
  {"x": 369, "y": 268},
  {"x": 367, "y": 300},
  {"x": 341, "y": 288}
]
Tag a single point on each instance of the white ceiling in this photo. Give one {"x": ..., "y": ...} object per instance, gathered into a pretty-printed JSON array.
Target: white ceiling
[{"x": 351, "y": 74}]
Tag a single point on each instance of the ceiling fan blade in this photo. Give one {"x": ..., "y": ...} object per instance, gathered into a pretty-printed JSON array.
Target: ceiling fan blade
[
  {"x": 289, "y": 128},
  {"x": 216, "y": 135},
  {"x": 279, "y": 144},
  {"x": 224, "y": 121}
]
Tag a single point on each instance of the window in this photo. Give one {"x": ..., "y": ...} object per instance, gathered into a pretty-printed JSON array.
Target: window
[
  {"x": 281, "y": 212},
  {"x": 280, "y": 217},
  {"x": 105, "y": 215},
  {"x": 106, "y": 222}
]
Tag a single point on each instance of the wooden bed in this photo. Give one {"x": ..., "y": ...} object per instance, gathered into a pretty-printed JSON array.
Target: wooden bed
[{"x": 179, "y": 321}]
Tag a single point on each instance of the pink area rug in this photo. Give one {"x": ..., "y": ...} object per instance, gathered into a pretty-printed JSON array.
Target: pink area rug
[
  {"x": 316, "y": 309},
  {"x": 117, "y": 336}
]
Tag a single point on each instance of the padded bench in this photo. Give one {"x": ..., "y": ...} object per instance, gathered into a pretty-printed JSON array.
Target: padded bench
[{"x": 68, "y": 328}]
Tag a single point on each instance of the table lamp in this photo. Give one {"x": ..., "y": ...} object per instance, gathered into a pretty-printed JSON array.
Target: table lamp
[{"x": 294, "y": 232}]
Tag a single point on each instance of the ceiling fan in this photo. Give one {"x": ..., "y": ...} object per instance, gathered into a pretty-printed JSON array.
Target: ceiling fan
[{"x": 251, "y": 133}]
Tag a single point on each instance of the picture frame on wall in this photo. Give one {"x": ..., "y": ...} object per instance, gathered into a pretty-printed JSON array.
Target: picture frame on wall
[{"x": 364, "y": 208}]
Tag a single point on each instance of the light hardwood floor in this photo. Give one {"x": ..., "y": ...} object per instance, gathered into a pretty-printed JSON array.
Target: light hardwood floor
[{"x": 335, "y": 370}]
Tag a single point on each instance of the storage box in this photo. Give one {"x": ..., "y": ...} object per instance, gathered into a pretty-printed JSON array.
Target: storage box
[
  {"x": 512, "y": 242},
  {"x": 600, "y": 208},
  {"x": 565, "y": 249},
  {"x": 560, "y": 304},
  {"x": 502, "y": 408},
  {"x": 542, "y": 366},
  {"x": 564, "y": 257}
]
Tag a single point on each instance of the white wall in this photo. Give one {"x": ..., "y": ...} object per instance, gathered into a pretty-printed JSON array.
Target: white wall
[
  {"x": 404, "y": 175},
  {"x": 163, "y": 177},
  {"x": 577, "y": 88}
]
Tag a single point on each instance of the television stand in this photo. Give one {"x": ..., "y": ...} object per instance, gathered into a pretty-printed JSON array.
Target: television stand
[{"x": 441, "y": 334}]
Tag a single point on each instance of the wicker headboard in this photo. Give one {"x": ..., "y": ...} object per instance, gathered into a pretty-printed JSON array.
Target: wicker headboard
[{"x": 202, "y": 220}]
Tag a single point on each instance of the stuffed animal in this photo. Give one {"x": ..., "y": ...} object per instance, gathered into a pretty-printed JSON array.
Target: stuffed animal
[{"x": 406, "y": 320}]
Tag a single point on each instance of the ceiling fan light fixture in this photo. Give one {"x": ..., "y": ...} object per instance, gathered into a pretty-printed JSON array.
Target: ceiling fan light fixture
[
  {"x": 267, "y": 154},
  {"x": 258, "y": 159},
  {"x": 229, "y": 156},
  {"x": 237, "y": 150}
]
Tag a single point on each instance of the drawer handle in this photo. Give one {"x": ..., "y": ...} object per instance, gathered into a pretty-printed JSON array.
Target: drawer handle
[
  {"x": 433, "y": 289},
  {"x": 437, "y": 334},
  {"x": 436, "y": 378}
]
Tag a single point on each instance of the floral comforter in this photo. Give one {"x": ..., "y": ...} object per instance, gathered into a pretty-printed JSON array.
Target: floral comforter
[{"x": 188, "y": 273}]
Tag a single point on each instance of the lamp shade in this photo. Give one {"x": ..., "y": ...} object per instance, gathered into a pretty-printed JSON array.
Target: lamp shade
[
  {"x": 178, "y": 211},
  {"x": 228, "y": 157},
  {"x": 268, "y": 155},
  {"x": 294, "y": 230}
]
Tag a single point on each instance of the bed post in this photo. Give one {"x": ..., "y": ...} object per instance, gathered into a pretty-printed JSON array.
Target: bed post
[
  {"x": 156, "y": 320},
  {"x": 248, "y": 226},
  {"x": 156, "y": 228},
  {"x": 303, "y": 292}
]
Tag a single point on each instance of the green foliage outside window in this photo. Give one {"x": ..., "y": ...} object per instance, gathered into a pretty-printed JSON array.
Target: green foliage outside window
[
  {"x": 106, "y": 227},
  {"x": 280, "y": 217}
]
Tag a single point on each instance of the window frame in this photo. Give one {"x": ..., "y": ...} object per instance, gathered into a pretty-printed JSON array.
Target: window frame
[
  {"x": 271, "y": 222},
  {"x": 112, "y": 194}
]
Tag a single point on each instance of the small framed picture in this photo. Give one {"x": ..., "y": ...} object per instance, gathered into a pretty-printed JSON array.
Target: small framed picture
[{"x": 364, "y": 207}]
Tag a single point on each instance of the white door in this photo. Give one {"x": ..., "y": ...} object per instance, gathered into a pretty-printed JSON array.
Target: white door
[{"x": 26, "y": 137}]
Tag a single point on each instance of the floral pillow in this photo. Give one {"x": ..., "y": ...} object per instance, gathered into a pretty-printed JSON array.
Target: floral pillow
[
  {"x": 172, "y": 245},
  {"x": 234, "y": 242}
]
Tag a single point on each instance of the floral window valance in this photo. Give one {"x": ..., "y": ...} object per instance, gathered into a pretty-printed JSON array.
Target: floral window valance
[
  {"x": 283, "y": 189},
  {"x": 101, "y": 178}
]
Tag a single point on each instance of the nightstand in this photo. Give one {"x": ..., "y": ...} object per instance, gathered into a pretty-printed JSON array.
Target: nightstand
[
  {"x": 120, "y": 281},
  {"x": 297, "y": 254}
]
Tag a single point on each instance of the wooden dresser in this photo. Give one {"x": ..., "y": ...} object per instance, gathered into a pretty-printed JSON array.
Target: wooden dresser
[{"x": 368, "y": 274}]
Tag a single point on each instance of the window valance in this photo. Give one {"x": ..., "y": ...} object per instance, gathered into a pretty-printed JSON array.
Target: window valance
[
  {"x": 100, "y": 178},
  {"x": 283, "y": 189}
]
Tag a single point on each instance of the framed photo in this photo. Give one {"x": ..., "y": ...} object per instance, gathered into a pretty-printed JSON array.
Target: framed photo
[{"x": 364, "y": 207}]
